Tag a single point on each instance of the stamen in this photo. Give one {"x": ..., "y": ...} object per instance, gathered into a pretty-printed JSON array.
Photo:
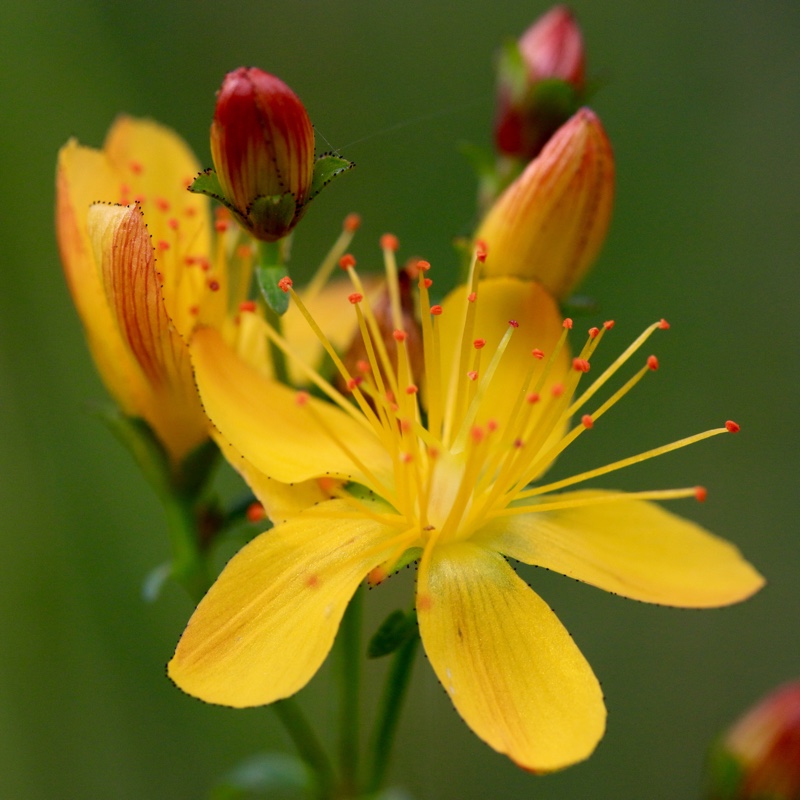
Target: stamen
[{"x": 351, "y": 224}]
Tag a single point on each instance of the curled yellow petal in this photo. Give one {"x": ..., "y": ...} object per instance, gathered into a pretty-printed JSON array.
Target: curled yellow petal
[
  {"x": 509, "y": 666},
  {"x": 633, "y": 548},
  {"x": 266, "y": 625}
]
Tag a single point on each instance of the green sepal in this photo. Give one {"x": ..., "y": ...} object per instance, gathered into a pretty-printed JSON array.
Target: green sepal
[
  {"x": 271, "y": 217},
  {"x": 512, "y": 74},
  {"x": 261, "y": 776},
  {"x": 275, "y": 297},
  {"x": 553, "y": 100},
  {"x": 724, "y": 775},
  {"x": 394, "y": 631},
  {"x": 326, "y": 168},
  {"x": 207, "y": 183}
]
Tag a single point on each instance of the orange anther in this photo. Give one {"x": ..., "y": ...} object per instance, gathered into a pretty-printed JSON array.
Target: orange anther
[
  {"x": 594, "y": 332},
  {"x": 194, "y": 310},
  {"x": 136, "y": 167},
  {"x": 248, "y": 306},
  {"x": 172, "y": 223},
  {"x": 353, "y": 382},
  {"x": 518, "y": 443},
  {"x": 513, "y": 323},
  {"x": 652, "y": 362},
  {"x": 363, "y": 366},
  {"x": 301, "y": 398},
  {"x": 399, "y": 336},
  {"x": 537, "y": 353},
  {"x": 221, "y": 225},
  {"x": 255, "y": 512},
  {"x": 436, "y": 310},
  {"x": 406, "y": 458},
  {"x": 285, "y": 283},
  {"x": 480, "y": 250},
  {"x": 389, "y": 242},
  {"x": 355, "y": 297},
  {"x": 492, "y": 425},
  {"x": 244, "y": 251},
  {"x": 580, "y": 365},
  {"x": 700, "y": 493},
  {"x": 479, "y": 344},
  {"x": 532, "y": 397},
  {"x": 405, "y": 425},
  {"x": 557, "y": 390},
  {"x": 732, "y": 427},
  {"x": 567, "y": 324},
  {"x": 427, "y": 283},
  {"x": 347, "y": 261},
  {"x": 477, "y": 433},
  {"x": 472, "y": 375},
  {"x": 608, "y": 324},
  {"x": 352, "y": 222},
  {"x": 422, "y": 265},
  {"x": 663, "y": 325},
  {"x": 587, "y": 421},
  {"x": 411, "y": 389},
  {"x": 213, "y": 285}
]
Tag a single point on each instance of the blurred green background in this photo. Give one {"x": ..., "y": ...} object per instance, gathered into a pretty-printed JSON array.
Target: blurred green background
[{"x": 701, "y": 99}]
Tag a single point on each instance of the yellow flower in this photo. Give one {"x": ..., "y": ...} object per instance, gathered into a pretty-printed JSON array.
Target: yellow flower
[
  {"x": 550, "y": 224},
  {"x": 144, "y": 270},
  {"x": 456, "y": 485}
]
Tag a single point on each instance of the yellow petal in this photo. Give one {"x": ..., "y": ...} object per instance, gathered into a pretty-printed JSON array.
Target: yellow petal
[
  {"x": 500, "y": 300},
  {"x": 550, "y": 223},
  {"x": 268, "y": 622},
  {"x": 82, "y": 177},
  {"x": 126, "y": 261},
  {"x": 263, "y": 421},
  {"x": 630, "y": 547},
  {"x": 507, "y": 663},
  {"x": 281, "y": 501}
]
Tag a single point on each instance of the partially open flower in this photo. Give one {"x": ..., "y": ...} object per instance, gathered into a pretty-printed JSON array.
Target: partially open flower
[
  {"x": 540, "y": 84},
  {"x": 550, "y": 223},
  {"x": 759, "y": 757}
]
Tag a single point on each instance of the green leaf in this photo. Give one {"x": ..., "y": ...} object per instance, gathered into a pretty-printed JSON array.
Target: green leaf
[
  {"x": 261, "y": 776},
  {"x": 724, "y": 775},
  {"x": 394, "y": 631},
  {"x": 326, "y": 168},
  {"x": 275, "y": 297}
]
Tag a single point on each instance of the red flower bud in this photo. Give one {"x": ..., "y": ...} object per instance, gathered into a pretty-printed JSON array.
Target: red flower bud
[
  {"x": 262, "y": 144},
  {"x": 540, "y": 84},
  {"x": 759, "y": 757}
]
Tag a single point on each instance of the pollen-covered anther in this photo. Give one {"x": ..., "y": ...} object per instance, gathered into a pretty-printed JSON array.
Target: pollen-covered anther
[
  {"x": 531, "y": 398},
  {"x": 587, "y": 421},
  {"x": 163, "y": 245},
  {"x": 136, "y": 167},
  {"x": 594, "y": 333},
  {"x": 422, "y": 265},
  {"x": 557, "y": 390},
  {"x": 399, "y": 336},
  {"x": 518, "y": 443},
  {"x": 608, "y": 324},
  {"x": 347, "y": 261},
  {"x": 405, "y": 425},
  {"x": 426, "y": 282},
  {"x": 221, "y": 225},
  {"x": 194, "y": 310},
  {"x": 732, "y": 427},
  {"x": 247, "y": 306},
  {"x": 436, "y": 310},
  {"x": 355, "y": 298},
  {"x": 472, "y": 375},
  {"x": 663, "y": 325},
  {"x": 492, "y": 425},
  {"x": 352, "y": 383},
  {"x": 255, "y": 512},
  {"x": 480, "y": 251},
  {"x": 352, "y": 222},
  {"x": 477, "y": 433},
  {"x": 472, "y": 297},
  {"x": 406, "y": 458},
  {"x": 390, "y": 242},
  {"x": 285, "y": 283},
  {"x": 363, "y": 366},
  {"x": 172, "y": 223},
  {"x": 513, "y": 323},
  {"x": 244, "y": 251},
  {"x": 700, "y": 494},
  {"x": 479, "y": 344},
  {"x": 537, "y": 353},
  {"x": 213, "y": 285},
  {"x": 652, "y": 363},
  {"x": 301, "y": 399},
  {"x": 580, "y": 365},
  {"x": 567, "y": 323},
  {"x": 412, "y": 389}
]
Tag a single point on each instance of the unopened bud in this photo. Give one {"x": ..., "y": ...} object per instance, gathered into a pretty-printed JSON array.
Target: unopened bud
[
  {"x": 759, "y": 757},
  {"x": 550, "y": 224},
  {"x": 540, "y": 84}
]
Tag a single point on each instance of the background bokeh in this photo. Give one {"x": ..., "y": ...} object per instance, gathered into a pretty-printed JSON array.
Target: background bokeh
[{"x": 701, "y": 99}]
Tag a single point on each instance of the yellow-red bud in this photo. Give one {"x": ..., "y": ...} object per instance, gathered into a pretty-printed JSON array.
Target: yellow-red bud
[{"x": 550, "y": 223}]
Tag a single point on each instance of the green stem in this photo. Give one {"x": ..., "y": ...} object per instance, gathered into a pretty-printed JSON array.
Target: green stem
[
  {"x": 189, "y": 566},
  {"x": 394, "y": 693},
  {"x": 308, "y": 745},
  {"x": 349, "y": 647}
]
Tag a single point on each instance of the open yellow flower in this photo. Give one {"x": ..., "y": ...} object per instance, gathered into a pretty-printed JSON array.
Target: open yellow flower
[{"x": 442, "y": 466}]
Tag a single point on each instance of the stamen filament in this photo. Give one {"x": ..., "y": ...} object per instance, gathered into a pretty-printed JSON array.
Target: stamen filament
[{"x": 329, "y": 263}]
